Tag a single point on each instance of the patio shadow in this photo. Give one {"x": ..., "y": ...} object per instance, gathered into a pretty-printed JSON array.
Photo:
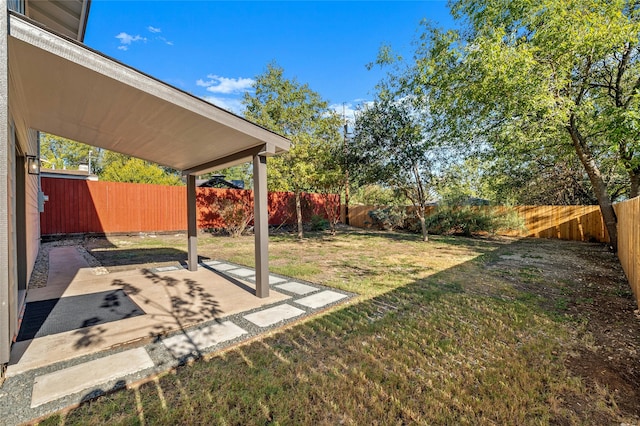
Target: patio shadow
[{"x": 121, "y": 257}]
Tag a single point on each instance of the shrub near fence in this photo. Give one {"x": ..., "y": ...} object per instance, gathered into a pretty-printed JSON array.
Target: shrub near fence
[
  {"x": 78, "y": 207},
  {"x": 576, "y": 223}
]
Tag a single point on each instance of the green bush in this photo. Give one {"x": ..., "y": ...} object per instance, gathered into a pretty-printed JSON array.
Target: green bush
[
  {"x": 388, "y": 218},
  {"x": 319, "y": 223},
  {"x": 469, "y": 220}
]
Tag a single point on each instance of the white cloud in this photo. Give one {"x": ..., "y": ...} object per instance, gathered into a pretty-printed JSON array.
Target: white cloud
[
  {"x": 230, "y": 104},
  {"x": 154, "y": 29},
  {"x": 347, "y": 109},
  {"x": 224, "y": 85},
  {"x": 170, "y": 43},
  {"x": 127, "y": 39}
]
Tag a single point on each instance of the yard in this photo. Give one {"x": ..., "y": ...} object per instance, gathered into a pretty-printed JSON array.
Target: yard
[{"x": 453, "y": 331}]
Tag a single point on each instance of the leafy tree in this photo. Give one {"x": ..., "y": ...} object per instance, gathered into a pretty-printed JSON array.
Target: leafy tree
[
  {"x": 60, "y": 153},
  {"x": 297, "y": 112},
  {"x": 330, "y": 180},
  {"x": 377, "y": 195},
  {"x": 530, "y": 180},
  {"x": 553, "y": 75},
  {"x": 122, "y": 168},
  {"x": 390, "y": 147}
]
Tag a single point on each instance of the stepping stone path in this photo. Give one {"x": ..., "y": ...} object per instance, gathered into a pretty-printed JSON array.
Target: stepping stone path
[
  {"x": 52, "y": 391},
  {"x": 270, "y": 316}
]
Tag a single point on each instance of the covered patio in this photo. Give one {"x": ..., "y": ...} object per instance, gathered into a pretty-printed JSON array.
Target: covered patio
[
  {"x": 85, "y": 310},
  {"x": 60, "y": 86},
  {"x": 90, "y": 330}
]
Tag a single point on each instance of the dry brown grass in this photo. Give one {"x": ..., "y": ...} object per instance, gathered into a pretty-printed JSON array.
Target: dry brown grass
[{"x": 454, "y": 331}]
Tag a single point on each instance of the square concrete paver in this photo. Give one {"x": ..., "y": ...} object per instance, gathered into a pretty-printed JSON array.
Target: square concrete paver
[
  {"x": 321, "y": 299},
  {"x": 274, "y": 315},
  {"x": 212, "y": 262},
  {"x": 224, "y": 267},
  {"x": 243, "y": 272},
  {"x": 272, "y": 279},
  {"x": 200, "y": 339},
  {"x": 275, "y": 280},
  {"x": 297, "y": 288},
  {"x": 89, "y": 375}
]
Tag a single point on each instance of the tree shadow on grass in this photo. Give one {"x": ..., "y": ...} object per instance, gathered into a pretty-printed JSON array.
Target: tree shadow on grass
[
  {"x": 457, "y": 345},
  {"x": 137, "y": 256}
]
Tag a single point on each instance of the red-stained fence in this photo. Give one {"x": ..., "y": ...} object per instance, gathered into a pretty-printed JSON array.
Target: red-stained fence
[{"x": 79, "y": 206}]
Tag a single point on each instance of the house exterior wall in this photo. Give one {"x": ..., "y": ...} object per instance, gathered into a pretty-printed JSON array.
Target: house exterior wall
[
  {"x": 32, "y": 187},
  {"x": 27, "y": 236},
  {"x": 12, "y": 260},
  {"x": 15, "y": 142},
  {"x": 5, "y": 332}
]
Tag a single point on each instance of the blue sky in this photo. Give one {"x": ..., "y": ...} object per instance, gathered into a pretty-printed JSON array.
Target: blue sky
[{"x": 213, "y": 49}]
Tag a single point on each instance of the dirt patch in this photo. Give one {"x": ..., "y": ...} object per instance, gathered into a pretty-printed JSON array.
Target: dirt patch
[{"x": 584, "y": 285}]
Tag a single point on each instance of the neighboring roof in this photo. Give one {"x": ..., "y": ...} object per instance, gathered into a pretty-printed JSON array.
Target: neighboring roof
[
  {"x": 64, "y": 88},
  {"x": 67, "y": 174},
  {"x": 68, "y": 17}
]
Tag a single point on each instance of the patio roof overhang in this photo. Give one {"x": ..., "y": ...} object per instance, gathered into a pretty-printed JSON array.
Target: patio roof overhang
[
  {"x": 62, "y": 87},
  {"x": 58, "y": 85}
]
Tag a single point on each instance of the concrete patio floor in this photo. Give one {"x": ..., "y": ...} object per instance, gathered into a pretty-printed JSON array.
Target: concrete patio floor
[{"x": 179, "y": 315}]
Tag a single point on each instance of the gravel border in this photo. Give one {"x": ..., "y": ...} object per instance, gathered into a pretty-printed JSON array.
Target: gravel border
[
  {"x": 40, "y": 273},
  {"x": 16, "y": 391}
]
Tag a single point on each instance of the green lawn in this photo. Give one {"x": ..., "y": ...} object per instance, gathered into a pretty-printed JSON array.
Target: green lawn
[{"x": 453, "y": 331}]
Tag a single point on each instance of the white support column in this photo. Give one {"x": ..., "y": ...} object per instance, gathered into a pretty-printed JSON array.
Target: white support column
[
  {"x": 192, "y": 223},
  {"x": 5, "y": 321},
  {"x": 261, "y": 224}
]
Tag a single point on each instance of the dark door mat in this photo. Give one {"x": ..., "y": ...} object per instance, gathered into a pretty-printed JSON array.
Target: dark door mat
[{"x": 54, "y": 316}]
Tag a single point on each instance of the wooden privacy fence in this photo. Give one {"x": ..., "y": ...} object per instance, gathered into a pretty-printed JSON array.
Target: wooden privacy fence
[
  {"x": 79, "y": 206},
  {"x": 628, "y": 213},
  {"x": 577, "y": 223}
]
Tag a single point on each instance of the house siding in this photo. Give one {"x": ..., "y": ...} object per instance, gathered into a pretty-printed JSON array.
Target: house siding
[
  {"x": 32, "y": 187},
  {"x": 11, "y": 215},
  {"x": 5, "y": 335}
]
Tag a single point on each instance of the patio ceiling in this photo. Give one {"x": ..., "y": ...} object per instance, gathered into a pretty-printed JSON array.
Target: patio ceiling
[
  {"x": 67, "y": 17},
  {"x": 62, "y": 87}
]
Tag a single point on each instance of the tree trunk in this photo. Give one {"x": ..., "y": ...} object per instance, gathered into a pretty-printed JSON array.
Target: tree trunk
[
  {"x": 299, "y": 215},
  {"x": 346, "y": 197},
  {"x": 423, "y": 226},
  {"x": 599, "y": 186},
  {"x": 420, "y": 202},
  {"x": 634, "y": 189}
]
